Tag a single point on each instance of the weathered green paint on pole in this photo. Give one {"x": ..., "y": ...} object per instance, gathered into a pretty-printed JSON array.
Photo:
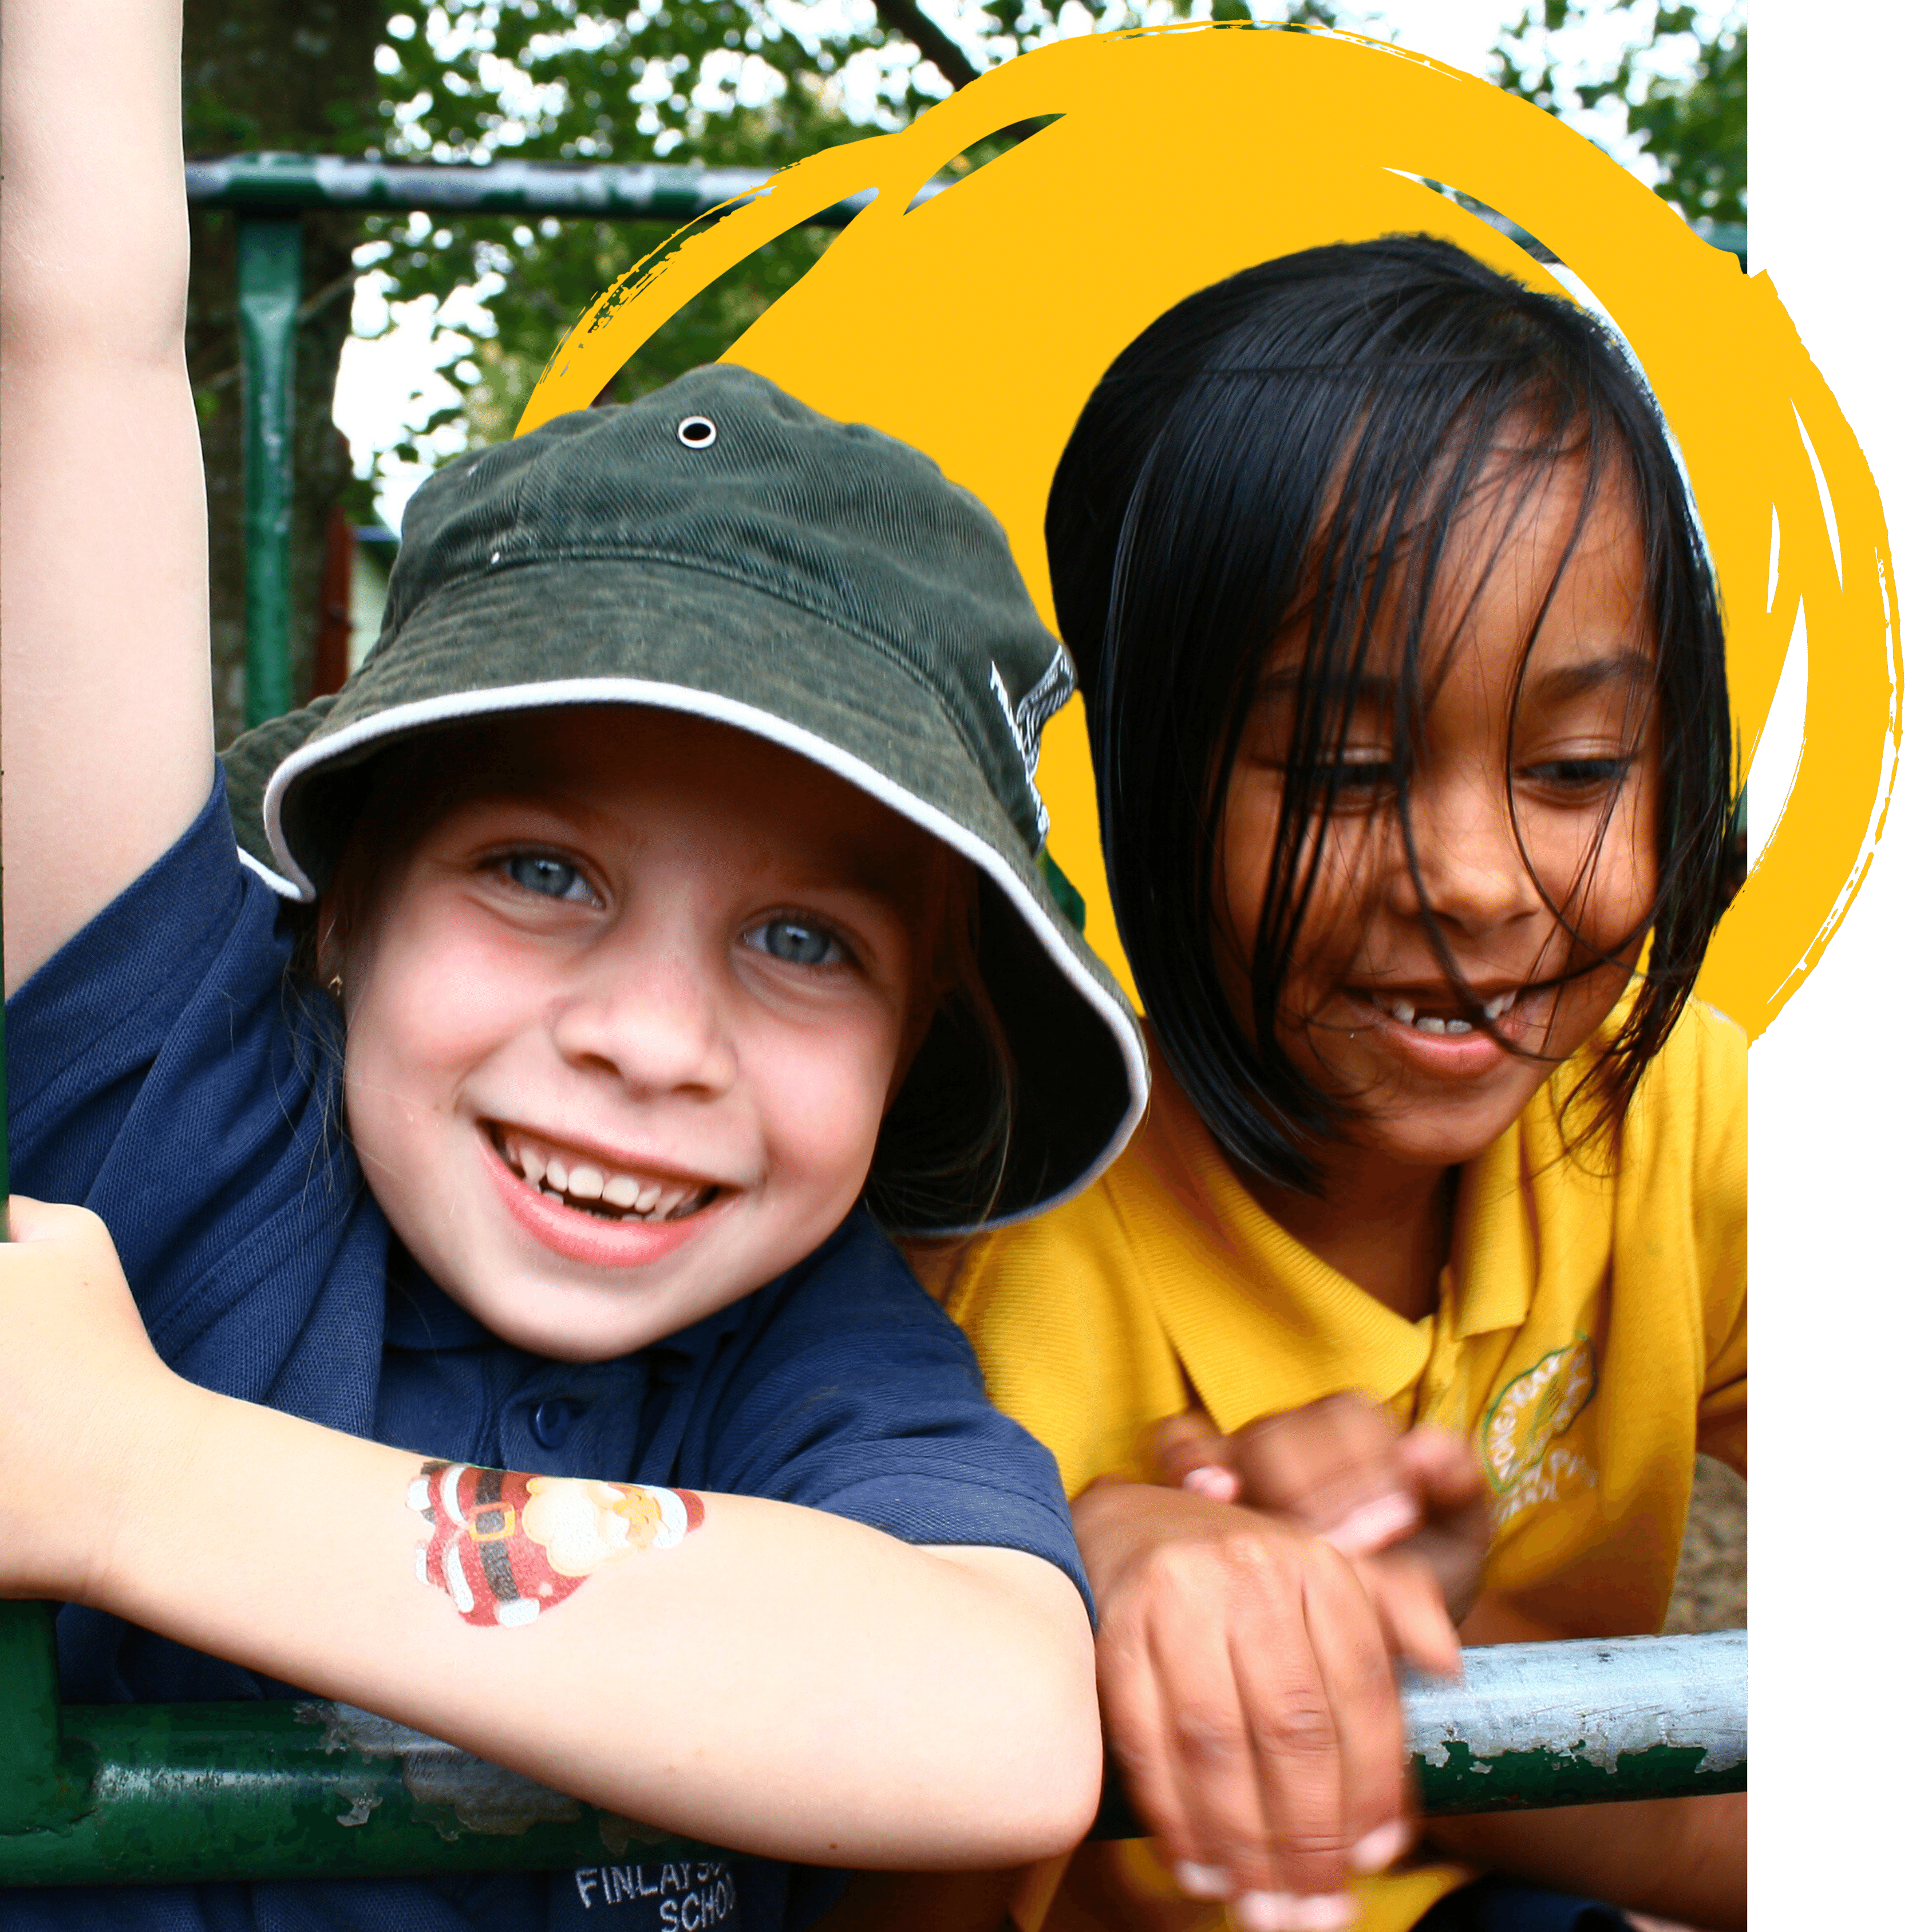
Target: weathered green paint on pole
[
  {"x": 283, "y": 1790},
  {"x": 288, "y": 1790},
  {"x": 265, "y": 185},
  {"x": 38, "y": 1792},
  {"x": 267, "y": 259},
  {"x": 1532, "y": 1725}
]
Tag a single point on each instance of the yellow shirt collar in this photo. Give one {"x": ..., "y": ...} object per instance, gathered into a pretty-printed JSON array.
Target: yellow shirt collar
[{"x": 1259, "y": 1322}]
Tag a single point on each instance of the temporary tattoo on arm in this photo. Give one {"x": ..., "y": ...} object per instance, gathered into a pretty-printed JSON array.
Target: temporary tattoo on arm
[{"x": 506, "y": 1546}]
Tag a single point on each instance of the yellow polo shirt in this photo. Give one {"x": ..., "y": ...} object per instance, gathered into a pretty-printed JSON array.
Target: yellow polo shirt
[{"x": 1589, "y": 1337}]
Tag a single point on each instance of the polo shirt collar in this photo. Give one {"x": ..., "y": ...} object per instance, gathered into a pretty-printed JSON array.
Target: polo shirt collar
[{"x": 1261, "y": 1324}]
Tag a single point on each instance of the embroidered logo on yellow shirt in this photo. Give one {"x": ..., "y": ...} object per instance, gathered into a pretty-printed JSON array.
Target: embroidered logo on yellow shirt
[{"x": 1519, "y": 1433}]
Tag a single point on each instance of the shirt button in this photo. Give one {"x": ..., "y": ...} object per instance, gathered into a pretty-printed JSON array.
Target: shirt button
[{"x": 556, "y": 1416}]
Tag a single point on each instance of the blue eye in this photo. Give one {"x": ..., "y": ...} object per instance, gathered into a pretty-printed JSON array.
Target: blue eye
[
  {"x": 795, "y": 943},
  {"x": 544, "y": 873}
]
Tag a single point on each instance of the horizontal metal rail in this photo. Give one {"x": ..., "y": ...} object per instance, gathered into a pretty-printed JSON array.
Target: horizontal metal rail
[
  {"x": 275, "y": 183},
  {"x": 285, "y": 183},
  {"x": 161, "y": 1792},
  {"x": 1533, "y": 1725}
]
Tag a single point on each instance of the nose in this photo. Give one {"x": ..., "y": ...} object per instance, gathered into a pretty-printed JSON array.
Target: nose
[
  {"x": 1468, "y": 867},
  {"x": 647, "y": 1008}
]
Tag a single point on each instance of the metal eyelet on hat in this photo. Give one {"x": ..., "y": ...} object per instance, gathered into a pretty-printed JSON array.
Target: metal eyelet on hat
[{"x": 698, "y": 432}]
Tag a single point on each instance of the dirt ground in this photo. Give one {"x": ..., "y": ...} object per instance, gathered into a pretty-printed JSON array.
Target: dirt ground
[{"x": 1710, "y": 1593}]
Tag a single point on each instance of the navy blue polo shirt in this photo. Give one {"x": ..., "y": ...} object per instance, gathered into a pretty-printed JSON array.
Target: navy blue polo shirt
[{"x": 166, "y": 1070}]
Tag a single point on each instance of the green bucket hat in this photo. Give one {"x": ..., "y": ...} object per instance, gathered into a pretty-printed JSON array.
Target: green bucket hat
[{"x": 720, "y": 550}]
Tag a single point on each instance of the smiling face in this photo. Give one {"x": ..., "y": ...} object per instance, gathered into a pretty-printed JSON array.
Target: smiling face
[
  {"x": 623, "y": 1026},
  {"x": 1532, "y": 808}
]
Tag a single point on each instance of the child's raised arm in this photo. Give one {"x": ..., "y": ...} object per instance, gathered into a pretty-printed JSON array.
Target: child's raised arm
[{"x": 103, "y": 601}]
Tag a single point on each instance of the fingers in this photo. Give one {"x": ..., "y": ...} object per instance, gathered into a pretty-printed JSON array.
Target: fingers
[
  {"x": 1363, "y": 1738},
  {"x": 1444, "y": 1467},
  {"x": 1196, "y": 1456},
  {"x": 77, "y": 1377},
  {"x": 1455, "y": 1539},
  {"x": 1333, "y": 1467},
  {"x": 1173, "y": 1721},
  {"x": 1172, "y": 1715},
  {"x": 28, "y": 1220},
  {"x": 1413, "y": 1619},
  {"x": 1360, "y": 1680},
  {"x": 1253, "y": 1763},
  {"x": 1250, "y": 1703}
]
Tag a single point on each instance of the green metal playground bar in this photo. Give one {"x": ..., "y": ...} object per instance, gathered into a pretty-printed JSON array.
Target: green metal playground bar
[
  {"x": 156, "y": 1792},
  {"x": 260, "y": 185},
  {"x": 108, "y": 1794}
]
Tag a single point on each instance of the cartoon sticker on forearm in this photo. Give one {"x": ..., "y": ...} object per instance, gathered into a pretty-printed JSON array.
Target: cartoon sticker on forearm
[{"x": 506, "y": 1546}]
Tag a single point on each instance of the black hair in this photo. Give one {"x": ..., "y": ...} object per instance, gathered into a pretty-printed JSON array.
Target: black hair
[{"x": 1294, "y": 445}]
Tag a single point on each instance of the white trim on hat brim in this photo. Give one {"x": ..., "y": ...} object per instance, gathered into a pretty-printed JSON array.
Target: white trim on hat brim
[
  {"x": 282, "y": 888},
  {"x": 652, "y": 694}
]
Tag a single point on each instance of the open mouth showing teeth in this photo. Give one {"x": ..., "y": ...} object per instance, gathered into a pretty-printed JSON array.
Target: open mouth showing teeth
[
  {"x": 572, "y": 1179},
  {"x": 1405, "y": 1012}
]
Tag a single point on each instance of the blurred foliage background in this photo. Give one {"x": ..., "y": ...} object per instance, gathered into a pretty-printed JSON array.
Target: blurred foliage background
[{"x": 745, "y": 83}]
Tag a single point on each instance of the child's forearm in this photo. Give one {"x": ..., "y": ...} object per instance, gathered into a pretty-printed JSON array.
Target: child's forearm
[
  {"x": 771, "y": 1677},
  {"x": 1682, "y": 1857},
  {"x": 102, "y": 531}
]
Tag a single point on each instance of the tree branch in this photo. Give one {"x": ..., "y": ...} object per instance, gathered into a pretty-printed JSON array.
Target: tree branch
[{"x": 904, "y": 18}]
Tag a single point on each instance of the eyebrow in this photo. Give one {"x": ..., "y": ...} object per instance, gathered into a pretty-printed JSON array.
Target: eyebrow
[
  {"x": 1286, "y": 683},
  {"x": 1557, "y": 685},
  {"x": 1565, "y": 681}
]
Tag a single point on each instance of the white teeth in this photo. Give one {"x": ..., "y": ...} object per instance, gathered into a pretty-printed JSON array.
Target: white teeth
[
  {"x": 633, "y": 1199},
  {"x": 1403, "y": 1012}
]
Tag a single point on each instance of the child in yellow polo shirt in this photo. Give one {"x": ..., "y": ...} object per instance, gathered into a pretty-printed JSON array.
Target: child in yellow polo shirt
[{"x": 1404, "y": 673}]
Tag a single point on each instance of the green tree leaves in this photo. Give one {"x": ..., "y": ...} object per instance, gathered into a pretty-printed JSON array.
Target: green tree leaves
[{"x": 1693, "y": 128}]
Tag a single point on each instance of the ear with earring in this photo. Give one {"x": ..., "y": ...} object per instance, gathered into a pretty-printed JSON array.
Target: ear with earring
[{"x": 335, "y": 988}]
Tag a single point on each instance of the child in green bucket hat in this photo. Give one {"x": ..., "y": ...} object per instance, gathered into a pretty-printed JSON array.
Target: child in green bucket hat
[{"x": 664, "y": 905}]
